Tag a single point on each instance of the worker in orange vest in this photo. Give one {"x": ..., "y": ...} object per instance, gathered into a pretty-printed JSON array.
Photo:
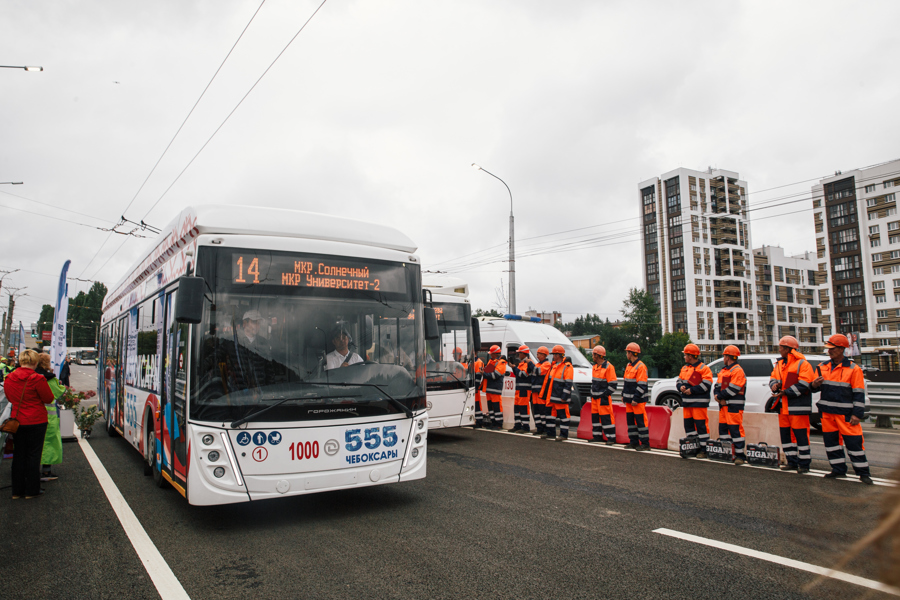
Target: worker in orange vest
[
  {"x": 791, "y": 382},
  {"x": 843, "y": 407},
  {"x": 694, "y": 384},
  {"x": 538, "y": 404},
  {"x": 557, "y": 391},
  {"x": 635, "y": 394},
  {"x": 494, "y": 372},
  {"x": 523, "y": 372},
  {"x": 603, "y": 384},
  {"x": 730, "y": 392},
  {"x": 479, "y": 398}
]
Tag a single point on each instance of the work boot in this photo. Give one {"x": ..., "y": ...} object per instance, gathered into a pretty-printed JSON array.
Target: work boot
[
  {"x": 477, "y": 425},
  {"x": 866, "y": 480},
  {"x": 835, "y": 475},
  {"x": 802, "y": 470},
  {"x": 630, "y": 446},
  {"x": 702, "y": 454},
  {"x": 788, "y": 467},
  {"x": 561, "y": 438},
  {"x": 544, "y": 435},
  {"x": 738, "y": 461},
  {"x": 643, "y": 448},
  {"x": 524, "y": 431},
  {"x": 610, "y": 442},
  {"x": 538, "y": 433}
]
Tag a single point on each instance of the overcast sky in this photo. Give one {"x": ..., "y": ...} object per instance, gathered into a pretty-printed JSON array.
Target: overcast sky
[{"x": 378, "y": 109}]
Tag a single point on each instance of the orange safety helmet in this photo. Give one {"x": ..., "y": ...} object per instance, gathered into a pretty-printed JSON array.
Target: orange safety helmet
[
  {"x": 543, "y": 350},
  {"x": 599, "y": 350},
  {"x": 495, "y": 349},
  {"x": 691, "y": 349},
  {"x": 790, "y": 341},
  {"x": 524, "y": 349},
  {"x": 731, "y": 351},
  {"x": 838, "y": 340},
  {"x": 557, "y": 349},
  {"x": 633, "y": 347},
  {"x": 457, "y": 350}
]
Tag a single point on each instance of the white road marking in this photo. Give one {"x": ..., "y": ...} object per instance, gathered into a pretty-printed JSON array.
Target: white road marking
[
  {"x": 780, "y": 560},
  {"x": 163, "y": 578},
  {"x": 673, "y": 454}
]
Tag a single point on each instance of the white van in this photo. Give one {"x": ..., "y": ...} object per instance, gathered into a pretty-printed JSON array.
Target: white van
[{"x": 512, "y": 331}]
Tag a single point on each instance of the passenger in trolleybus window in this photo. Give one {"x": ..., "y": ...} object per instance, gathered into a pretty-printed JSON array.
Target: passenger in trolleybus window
[
  {"x": 341, "y": 356},
  {"x": 250, "y": 336}
]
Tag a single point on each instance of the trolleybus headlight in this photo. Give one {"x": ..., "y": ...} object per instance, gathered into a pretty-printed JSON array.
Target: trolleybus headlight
[
  {"x": 421, "y": 424},
  {"x": 418, "y": 438},
  {"x": 213, "y": 456},
  {"x": 219, "y": 472},
  {"x": 415, "y": 452},
  {"x": 207, "y": 439}
]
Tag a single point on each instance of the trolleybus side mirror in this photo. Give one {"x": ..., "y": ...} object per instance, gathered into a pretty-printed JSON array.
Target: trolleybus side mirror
[
  {"x": 189, "y": 300},
  {"x": 431, "y": 325},
  {"x": 476, "y": 333}
]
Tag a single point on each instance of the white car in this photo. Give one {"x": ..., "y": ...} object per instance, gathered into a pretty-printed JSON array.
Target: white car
[{"x": 757, "y": 368}]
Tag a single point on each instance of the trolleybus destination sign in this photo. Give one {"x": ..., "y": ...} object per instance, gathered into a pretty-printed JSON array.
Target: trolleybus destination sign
[{"x": 309, "y": 271}]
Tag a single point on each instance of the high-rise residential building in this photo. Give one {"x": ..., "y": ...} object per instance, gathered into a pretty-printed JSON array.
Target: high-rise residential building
[
  {"x": 787, "y": 299},
  {"x": 697, "y": 258},
  {"x": 858, "y": 253}
]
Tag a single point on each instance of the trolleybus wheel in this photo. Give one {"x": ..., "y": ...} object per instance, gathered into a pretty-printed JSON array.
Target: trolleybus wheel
[{"x": 151, "y": 464}]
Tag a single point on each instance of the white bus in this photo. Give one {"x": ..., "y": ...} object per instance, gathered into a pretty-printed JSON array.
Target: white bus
[
  {"x": 83, "y": 356},
  {"x": 223, "y": 354},
  {"x": 449, "y": 360}
]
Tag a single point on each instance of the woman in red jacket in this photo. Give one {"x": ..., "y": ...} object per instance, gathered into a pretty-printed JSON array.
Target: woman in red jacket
[{"x": 27, "y": 393}]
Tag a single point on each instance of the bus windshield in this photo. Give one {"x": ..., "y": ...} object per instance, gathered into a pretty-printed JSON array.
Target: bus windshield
[
  {"x": 321, "y": 337},
  {"x": 447, "y": 359}
]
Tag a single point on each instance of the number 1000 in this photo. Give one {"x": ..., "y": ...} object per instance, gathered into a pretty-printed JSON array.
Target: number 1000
[{"x": 304, "y": 450}]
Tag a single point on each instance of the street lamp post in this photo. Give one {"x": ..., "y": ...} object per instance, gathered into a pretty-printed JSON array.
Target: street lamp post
[{"x": 512, "y": 243}]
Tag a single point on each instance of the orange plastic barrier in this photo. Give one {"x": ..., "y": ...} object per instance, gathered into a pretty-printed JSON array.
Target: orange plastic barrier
[
  {"x": 660, "y": 421},
  {"x": 585, "y": 427}
]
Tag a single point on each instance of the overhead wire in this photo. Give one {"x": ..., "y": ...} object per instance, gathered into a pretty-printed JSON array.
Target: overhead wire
[
  {"x": 241, "y": 101},
  {"x": 203, "y": 93}
]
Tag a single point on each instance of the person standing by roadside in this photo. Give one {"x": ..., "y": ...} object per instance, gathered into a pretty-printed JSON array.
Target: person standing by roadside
[
  {"x": 791, "y": 382},
  {"x": 65, "y": 371},
  {"x": 494, "y": 372},
  {"x": 557, "y": 391},
  {"x": 538, "y": 404},
  {"x": 695, "y": 383},
  {"x": 603, "y": 384},
  {"x": 635, "y": 394},
  {"x": 479, "y": 397},
  {"x": 843, "y": 406},
  {"x": 729, "y": 392},
  {"x": 524, "y": 374},
  {"x": 52, "y": 453},
  {"x": 27, "y": 393}
]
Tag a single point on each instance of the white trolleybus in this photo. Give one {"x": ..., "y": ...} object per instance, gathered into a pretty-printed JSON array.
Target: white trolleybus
[
  {"x": 450, "y": 367},
  {"x": 257, "y": 353}
]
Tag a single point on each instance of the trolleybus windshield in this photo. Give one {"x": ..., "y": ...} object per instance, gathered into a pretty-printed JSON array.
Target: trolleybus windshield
[
  {"x": 447, "y": 358},
  {"x": 321, "y": 337}
]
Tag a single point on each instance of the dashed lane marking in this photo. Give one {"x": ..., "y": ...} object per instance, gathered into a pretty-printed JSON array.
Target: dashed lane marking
[
  {"x": 163, "y": 578},
  {"x": 784, "y": 561},
  {"x": 671, "y": 454}
]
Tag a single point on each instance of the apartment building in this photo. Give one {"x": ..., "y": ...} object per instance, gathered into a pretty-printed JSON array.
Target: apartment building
[
  {"x": 696, "y": 255},
  {"x": 549, "y": 318},
  {"x": 858, "y": 253},
  {"x": 787, "y": 299}
]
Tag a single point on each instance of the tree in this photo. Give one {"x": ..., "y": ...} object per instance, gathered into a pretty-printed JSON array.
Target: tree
[
  {"x": 642, "y": 322},
  {"x": 667, "y": 353},
  {"x": 487, "y": 313},
  {"x": 45, "y": 321},
  {"x": 85, "y": 311}
]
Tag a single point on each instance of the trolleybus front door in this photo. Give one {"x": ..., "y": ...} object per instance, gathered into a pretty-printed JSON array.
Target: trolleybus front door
[{"x": 173, "y": 400}]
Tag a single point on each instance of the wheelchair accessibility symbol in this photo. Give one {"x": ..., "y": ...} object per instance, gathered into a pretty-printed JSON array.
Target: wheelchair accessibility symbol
[{"x": 243, "y": 438}]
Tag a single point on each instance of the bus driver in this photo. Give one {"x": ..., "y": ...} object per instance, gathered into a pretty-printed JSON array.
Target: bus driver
[{"x": 341, "y": 356}]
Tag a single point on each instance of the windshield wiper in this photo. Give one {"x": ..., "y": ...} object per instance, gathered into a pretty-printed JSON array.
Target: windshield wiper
[
  {"x": 390, "y": 398},
  {"x": 238, "y": 422}
]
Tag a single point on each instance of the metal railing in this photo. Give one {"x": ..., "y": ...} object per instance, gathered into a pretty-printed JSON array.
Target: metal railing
[{"x": 884, "y": 398}]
